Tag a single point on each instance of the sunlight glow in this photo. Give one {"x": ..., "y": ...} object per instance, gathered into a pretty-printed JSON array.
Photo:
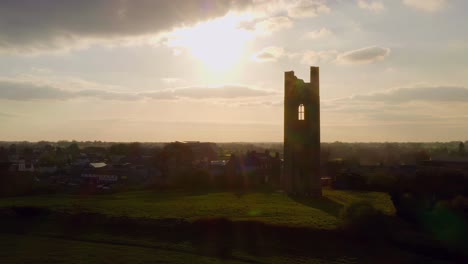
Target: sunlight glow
[{"x": 218, "y": 43}]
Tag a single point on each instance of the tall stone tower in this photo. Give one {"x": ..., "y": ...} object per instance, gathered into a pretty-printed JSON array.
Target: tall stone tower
[{"x": 301, "y": 173}]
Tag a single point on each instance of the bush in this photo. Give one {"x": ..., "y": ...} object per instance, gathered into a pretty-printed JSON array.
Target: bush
[
  {"x": 460, "y": 204},
  {"x": 381, "y": 181},
  {"x": 448, "y": 222},
  {"x": 194, "y": 179},
  {"x": 350, "y": 181},
  {"x": 362, "y": 218}
]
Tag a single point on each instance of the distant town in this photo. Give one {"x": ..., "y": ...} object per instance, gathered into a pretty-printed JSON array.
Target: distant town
[{"x": 65, "y": 166}]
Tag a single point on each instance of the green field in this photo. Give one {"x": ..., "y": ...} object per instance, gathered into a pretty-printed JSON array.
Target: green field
[
  {"x": 57, "y": 250},
  {"x": 41, "y": 241},
  {"x": 269, "y": 207}
]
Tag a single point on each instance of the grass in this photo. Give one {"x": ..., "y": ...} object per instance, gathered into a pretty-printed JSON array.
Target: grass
[
  {"x": 272, "y": 208},
  {"x": 58, "y": 250},
  {"x": 45, "y": 244},
  {"x": 53, "y": 250}
]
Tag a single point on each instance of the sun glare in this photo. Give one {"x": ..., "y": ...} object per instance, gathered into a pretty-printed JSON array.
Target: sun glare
[{"x": 218, "y": 43}]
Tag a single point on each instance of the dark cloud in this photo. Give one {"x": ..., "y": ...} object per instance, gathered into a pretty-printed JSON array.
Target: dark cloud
[
  {"x": 23, "y": 91},
  {"x": 26, "y": 91},
  {"x": 30, "y": 25},
  {"x": 364, "y": 55},
  {"x": 431, "y": 94}
]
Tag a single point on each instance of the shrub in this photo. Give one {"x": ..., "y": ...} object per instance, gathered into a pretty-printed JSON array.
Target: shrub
[
  {"x": 447, "y": 221},
  {"x": 381, "y": 181},
  {"x": 193, "y": 179},
  {"x": 362, "y": 218}
]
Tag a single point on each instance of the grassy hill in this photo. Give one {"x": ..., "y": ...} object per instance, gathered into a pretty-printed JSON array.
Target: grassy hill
[
  {"x": 82, "y": 238},
  {"x": 273, "y": 208}
]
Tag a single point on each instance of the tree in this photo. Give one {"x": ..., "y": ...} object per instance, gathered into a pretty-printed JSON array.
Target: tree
[
  {"x": 177, "y": 160},
  {"x": 12, "y": 149},
  {"x": 3, "y": 154},
  {"x": 134, "y": 149},
  {"x": 118, "y": 149},
  {"x": 73, "y": 149},
  {"x": 461, "y": 149}
]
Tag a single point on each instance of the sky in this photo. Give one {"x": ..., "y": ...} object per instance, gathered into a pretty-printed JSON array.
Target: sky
[{"x": 212, "y": 70}]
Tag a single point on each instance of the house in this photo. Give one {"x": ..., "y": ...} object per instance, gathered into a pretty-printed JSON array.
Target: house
[
  {"x": 203, "y": 151},
  {"x": 217, "y": 168},
  {"x": 81, "y": 161},
  {"x": 264, "y": 167},
  {"x": 99, "y": 173},
  {"x": 448, "y": 162},
  {"x": 25, "y": 165},
  {"x": 104, "y": 173},
  {"x": 47, "y": 169}
]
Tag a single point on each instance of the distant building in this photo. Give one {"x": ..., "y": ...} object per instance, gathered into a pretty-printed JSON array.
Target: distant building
[
  {"x": 25, "y": 165},
  {"x": 448, "y": 162},
  {"x": 47, "y": 169},
  {"x": 99, "y": 172},
  {"x": 302, "y": 134},
  {"x": 203, "y": 151},
  {"x": 263, "y": 166},
  {"x": 103, "y": 173}
]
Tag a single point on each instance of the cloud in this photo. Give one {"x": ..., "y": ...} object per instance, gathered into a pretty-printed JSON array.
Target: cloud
[
  {"x": 269, "y": 25},
  {"x": 364, "y": 55},
  {"x": 173, "y": 81},
  {"x": 8, "y": 115},
  {"x": 414, "y": 113},
  {"x": 427, "y": 94},
  {"x": 27, "y": 90},
  {"x": 30, "y": 26},
  {"x": 374, "y": 6},
  {"x": 308, "y": 8},
  {"x": 198, "y": 92},
  {"x": 269, "y": 54},
  {"x": 426, "y": 5},
  {"x": 314, "y": 57},
  {"x": 316, "y": 34},
  {"x": 360, "y": 56}
]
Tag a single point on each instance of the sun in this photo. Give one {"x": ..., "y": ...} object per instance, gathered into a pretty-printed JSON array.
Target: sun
[{"x": 218, "y": 43}]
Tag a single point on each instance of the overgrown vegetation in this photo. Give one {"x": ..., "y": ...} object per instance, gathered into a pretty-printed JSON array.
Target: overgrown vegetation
[{"x": 268, "y": 207}]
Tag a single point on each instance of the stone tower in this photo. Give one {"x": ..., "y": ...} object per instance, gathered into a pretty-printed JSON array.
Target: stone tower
[{"x": 301, "y": 173}]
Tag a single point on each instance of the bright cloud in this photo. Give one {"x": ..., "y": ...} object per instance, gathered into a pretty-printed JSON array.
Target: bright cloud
[
  {"x": 267, "y": 26},
  {"x": 364, "y": 55},
  {"x": 318, "y": 57},
  {"x": 321, "y": 33},
  {"x": 308, "y": 8},
  {"x": 269, "y": 54},
  {"x": 360, "y": 56},
  {"x": 426, "y": 5},
  {"x": 26, "y": 90},
  {"x": 218, "y": 43},
  {"x": 427, "y": 94},
  {"x": 374, "y": 6}
]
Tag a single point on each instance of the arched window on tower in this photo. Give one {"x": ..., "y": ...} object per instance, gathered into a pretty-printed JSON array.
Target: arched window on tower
[{"x": 301, "y": 112}]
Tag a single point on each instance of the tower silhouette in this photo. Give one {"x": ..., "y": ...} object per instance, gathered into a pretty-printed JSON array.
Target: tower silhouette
[{"x": 301, "y": 173}]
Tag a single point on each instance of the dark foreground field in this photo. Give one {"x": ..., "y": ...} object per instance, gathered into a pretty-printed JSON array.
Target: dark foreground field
[
  {"x": 267, "y": 207},
  {"x": 181, "y": 227}
]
